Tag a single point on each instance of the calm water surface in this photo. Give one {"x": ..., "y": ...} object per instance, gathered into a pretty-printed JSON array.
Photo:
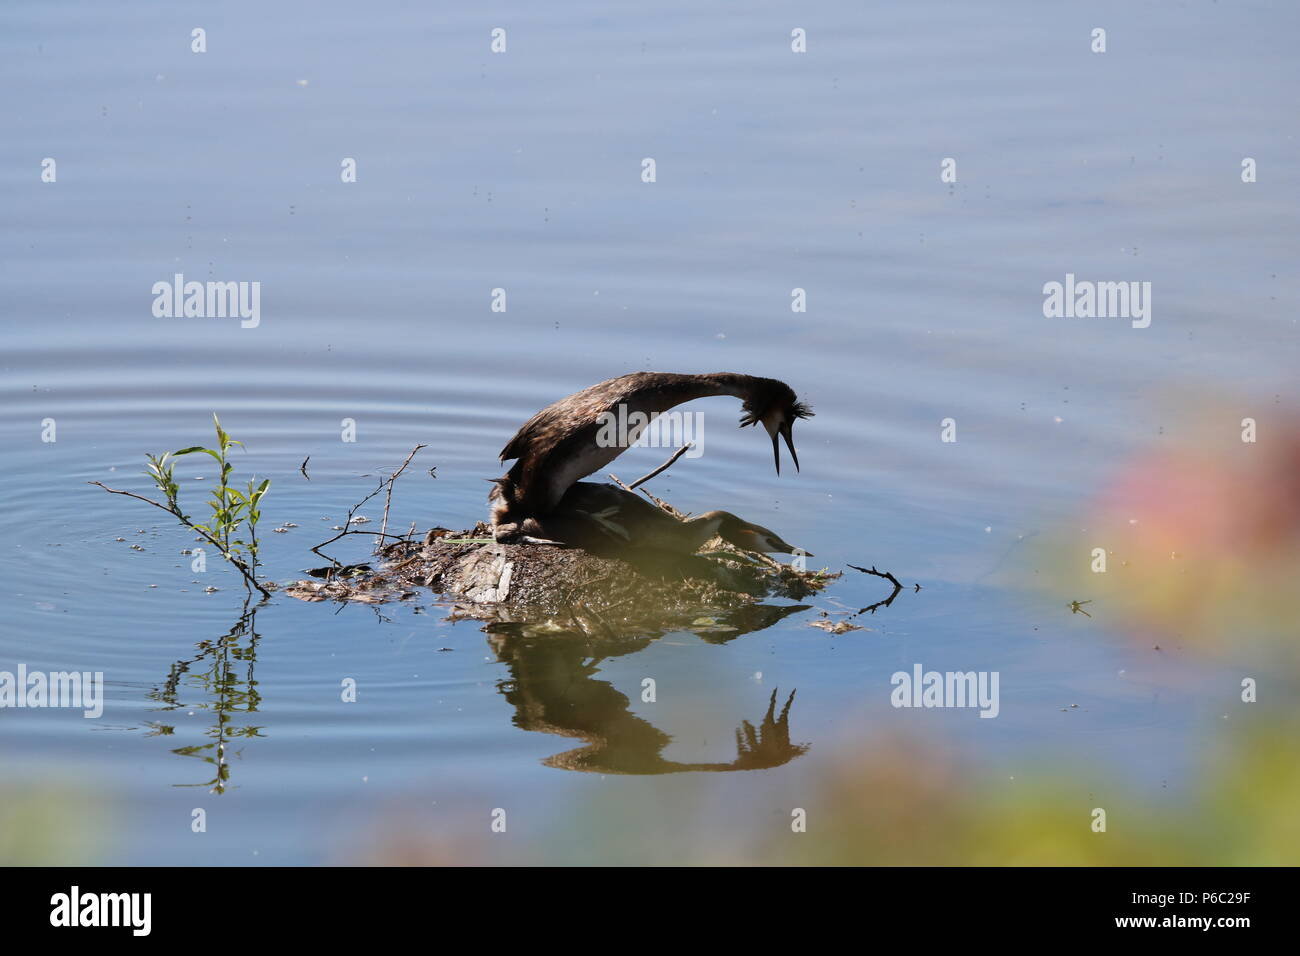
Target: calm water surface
[{"x": 522, "y": 171}]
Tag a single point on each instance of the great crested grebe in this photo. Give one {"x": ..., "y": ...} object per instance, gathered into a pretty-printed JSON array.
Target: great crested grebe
[
  {"x": 560, "y": 445},
  {"x": 604, "y": 519}
]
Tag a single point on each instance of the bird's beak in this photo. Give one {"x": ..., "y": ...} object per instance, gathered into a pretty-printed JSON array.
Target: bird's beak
[
  {"x": 787, "y": 432},
  {"x": 781, "y": 546}
]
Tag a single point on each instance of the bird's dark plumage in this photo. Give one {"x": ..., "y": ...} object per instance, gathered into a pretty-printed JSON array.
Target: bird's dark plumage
[
  {"x": 608, "y": 520},
  {"x": 562, "y": 443}
]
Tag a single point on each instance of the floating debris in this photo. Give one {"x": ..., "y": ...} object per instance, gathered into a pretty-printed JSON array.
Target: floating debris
[
  {"x": 835, "y": 627},
  {"x": 338, "y": 570}
]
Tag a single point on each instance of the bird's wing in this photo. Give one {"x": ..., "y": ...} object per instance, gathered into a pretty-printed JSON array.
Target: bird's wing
[
  {"x": 560, "y": 441},
  {"x": 647, "y": 392}
]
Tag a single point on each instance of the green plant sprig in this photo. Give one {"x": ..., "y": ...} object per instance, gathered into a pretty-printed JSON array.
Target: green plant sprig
[{"x": 232, "y": 509}]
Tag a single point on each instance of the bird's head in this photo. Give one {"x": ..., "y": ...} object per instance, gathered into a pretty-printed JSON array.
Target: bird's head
[
  {"x": 775, "y": 405},
  {"x": 753, "y": 537}
]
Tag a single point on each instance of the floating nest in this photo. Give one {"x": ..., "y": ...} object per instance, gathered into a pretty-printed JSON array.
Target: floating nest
[{"x": 548, "y": 589}]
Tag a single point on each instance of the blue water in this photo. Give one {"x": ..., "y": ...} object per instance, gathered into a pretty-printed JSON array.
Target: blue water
[{"x": 522, "y": 171}]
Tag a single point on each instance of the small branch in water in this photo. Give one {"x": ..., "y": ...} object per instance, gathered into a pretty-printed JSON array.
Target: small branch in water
[
  {"x": 249, "y": 578},
  {"x": 888, "y": 576},
  {"x": 388, "y": 499},
  {"x": 880, "y": 574},
  {"x": 664, "y": 467},
  {"x": 347, "y": 523},
  {"x": 372, "y": 534}
]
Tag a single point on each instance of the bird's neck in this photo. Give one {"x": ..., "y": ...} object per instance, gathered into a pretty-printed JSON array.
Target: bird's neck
[
  {"x": 730, "y": 383},
  {"x": 703, "y": 527}
]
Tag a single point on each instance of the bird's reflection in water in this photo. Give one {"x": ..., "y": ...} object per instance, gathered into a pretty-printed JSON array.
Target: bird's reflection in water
[
  {"x": 224, "y": 673},
  {"x": 554, "y": 690},
  {"x": 552, "y": 687}
]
